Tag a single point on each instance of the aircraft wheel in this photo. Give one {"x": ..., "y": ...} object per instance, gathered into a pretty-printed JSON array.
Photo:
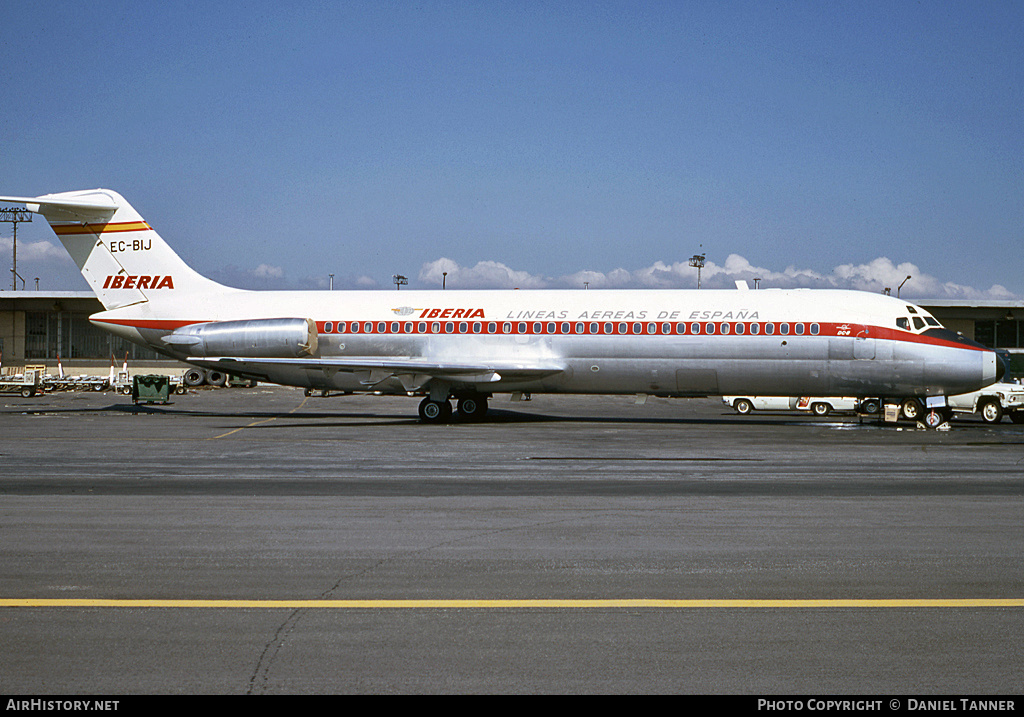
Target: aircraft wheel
[
  {"x": 821, "y": 409},
  {"x": 743, "y": 406},
  {"x": 435, "y": 411},
  {"x": 934, "y": 419},
  {"x": 473, "y": 408},
  {"x": 991, "y": 412},
  {"x": 912, "y": 409}
]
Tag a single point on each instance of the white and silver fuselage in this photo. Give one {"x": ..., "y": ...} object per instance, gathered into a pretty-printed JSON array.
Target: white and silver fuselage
[{"x": 658, "y": 342}]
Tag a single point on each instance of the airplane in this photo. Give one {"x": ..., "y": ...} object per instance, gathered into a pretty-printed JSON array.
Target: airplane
[{"x": 471, "y": 345}]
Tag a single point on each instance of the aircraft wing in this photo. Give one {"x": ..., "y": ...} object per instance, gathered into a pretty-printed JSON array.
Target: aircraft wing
[{"x": 412, "y": 372}]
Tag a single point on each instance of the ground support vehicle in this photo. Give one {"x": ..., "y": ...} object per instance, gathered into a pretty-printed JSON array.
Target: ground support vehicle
[
  {"x": 991, "y": 403},
  {"x": 817, "y": 405},
  {"x": 27, "y": 383},
  {"x": 74, "y": 383}
]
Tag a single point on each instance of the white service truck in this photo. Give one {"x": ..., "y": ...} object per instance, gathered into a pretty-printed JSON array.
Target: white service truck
[{"x": 991, "y": 403}]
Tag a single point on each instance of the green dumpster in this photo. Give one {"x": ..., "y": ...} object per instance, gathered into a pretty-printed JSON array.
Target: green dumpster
[{"x": 151, "y": 389}]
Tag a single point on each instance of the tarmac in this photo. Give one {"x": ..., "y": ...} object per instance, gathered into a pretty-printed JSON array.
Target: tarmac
[{"x": 258, "y": 541}]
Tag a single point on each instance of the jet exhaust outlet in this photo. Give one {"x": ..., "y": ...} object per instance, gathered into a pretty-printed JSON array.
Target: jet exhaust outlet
[{"x": 257, "y": 338}]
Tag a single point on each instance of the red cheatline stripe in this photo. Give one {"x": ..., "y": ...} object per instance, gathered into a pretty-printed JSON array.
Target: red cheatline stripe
[
  {"x": 428, "y": 327},
  {"x": 166, "y": 324}
]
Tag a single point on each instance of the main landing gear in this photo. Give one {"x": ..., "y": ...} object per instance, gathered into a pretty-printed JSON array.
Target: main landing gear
[{"x": 471, "y": 407}]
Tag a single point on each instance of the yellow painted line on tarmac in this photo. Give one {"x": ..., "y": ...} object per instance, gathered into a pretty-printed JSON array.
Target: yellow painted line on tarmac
[
  {"x": 506, "y": 604},
  {"x": 257, "y": 423}
]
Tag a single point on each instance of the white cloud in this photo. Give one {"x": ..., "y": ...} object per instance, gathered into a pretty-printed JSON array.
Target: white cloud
[
  {"x": 266, "y": 271},
  {"x": 35, "y": 250},
  {"x": 876, "y": 275},
  {"x": 485, "y": 275}
]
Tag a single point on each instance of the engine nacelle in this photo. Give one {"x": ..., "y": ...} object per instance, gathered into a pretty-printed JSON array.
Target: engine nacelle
[{"x": 256, "y": 338}]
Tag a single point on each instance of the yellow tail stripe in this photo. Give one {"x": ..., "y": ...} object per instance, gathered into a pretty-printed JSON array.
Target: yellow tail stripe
[{"x": 511, "y": 604}]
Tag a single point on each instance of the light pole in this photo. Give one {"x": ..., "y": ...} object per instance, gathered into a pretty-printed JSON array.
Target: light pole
[
  {"x": 12, "y": 215},
  {"x": 901, "y": 286},
  {"x": 697, "y": 261},
  {"x": 399, "y": 280}
]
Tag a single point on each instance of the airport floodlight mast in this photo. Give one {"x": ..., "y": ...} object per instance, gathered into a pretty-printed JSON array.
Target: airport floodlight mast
[
  {"x": 901, "y": 286},
  {"x": 399, "y": 280},
  {"x": 697, "y": 261},
  {"x": 9, "y": 214}
]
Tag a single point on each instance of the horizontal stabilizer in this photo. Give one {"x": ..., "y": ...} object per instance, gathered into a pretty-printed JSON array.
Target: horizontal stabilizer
[{"x": 88, "y": 208}]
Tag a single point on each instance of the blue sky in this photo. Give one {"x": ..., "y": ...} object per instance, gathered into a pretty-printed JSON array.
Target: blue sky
[{"x": 532, "y": 144}]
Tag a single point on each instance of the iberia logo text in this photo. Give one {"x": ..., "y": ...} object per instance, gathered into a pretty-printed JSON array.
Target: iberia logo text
[
  {"x": 126, "y": 281},
  {"x": 452, "y": 314}
]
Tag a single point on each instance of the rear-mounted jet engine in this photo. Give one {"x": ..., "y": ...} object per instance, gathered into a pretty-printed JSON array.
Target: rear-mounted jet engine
[{"x": 258, "y": 338}]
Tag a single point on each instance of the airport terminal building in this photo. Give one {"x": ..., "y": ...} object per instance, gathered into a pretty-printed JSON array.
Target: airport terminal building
[{"x": 38, "y": 327}]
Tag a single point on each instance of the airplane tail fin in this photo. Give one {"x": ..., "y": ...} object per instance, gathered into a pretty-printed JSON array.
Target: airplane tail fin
[{"x": 121, "y": 257}]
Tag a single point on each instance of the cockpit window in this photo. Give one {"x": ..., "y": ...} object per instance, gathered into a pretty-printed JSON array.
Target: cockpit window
[
  {"x": 911, "y": 309},
  {"x": 918, "y": 323},
  {"x": 931, "y": 321},
  {"x": 904, "y": 323}
]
